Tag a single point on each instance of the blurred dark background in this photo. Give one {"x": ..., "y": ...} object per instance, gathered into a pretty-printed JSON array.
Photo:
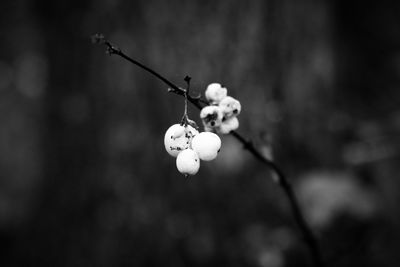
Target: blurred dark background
[{"x": 85, "y": 180}]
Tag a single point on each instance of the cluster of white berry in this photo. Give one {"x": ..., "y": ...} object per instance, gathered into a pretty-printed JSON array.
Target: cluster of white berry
[
  {"x": 220, "y": 115},
  {"x": 189, "y": 147}
]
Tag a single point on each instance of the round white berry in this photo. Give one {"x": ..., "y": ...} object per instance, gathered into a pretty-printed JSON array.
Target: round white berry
[
  {"x": 215, "y": 93},
  {"x": 228, "y": 125},
  {"x": 211, "y": 116},
  {"x": 178, "y": 138},
  {"x": 206, "y": 145},
  {"x": 188, "y": 162},
  {"x": 230, "y": 107}
]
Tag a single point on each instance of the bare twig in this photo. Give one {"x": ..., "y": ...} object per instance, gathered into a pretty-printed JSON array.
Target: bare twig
[{"x": 281, "y": 179}]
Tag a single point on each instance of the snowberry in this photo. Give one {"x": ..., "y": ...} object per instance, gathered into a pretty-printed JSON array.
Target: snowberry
[
  {"x": 206, "y": 145},
  {"x": 228, "y": 125},
  {"x": 215, "y": 93},
  {"x": 188, "y": 162},
  {"x": 211, "y": 116},
  {"x": 230, "y": 107},
  {"x": 178, "y": 138}
]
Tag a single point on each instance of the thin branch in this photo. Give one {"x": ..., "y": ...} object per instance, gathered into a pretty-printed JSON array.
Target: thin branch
[{"x": 281, "y": 179}]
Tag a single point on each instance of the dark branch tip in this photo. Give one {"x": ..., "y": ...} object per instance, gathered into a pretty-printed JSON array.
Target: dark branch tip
[{"x": 98, "y": 38}]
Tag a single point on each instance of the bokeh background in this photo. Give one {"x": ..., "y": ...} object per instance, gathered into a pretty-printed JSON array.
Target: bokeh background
[{"x": 85, "y": 180}]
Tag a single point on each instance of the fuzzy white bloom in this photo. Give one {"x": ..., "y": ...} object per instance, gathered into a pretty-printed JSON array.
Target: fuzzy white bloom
[
  {"x": 211, "y": 116},
  {"x": 230, "y": 107},
  {"x": 228, "y": 125},
  {"x": 215, "y": 93}
]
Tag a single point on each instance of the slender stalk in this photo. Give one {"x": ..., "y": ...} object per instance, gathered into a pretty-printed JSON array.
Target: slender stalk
[
  {"x": 185, "y": 118},
  {"x": 281, "y": 179}
]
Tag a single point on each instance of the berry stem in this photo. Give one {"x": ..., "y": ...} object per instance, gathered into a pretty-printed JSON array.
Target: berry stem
[
  {"x": 282, "y": 181},
  {"x": 185, "y": 118}
]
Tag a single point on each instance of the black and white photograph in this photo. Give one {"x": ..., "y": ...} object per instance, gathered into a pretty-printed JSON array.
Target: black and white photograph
[{"x": 199, "y": 133}]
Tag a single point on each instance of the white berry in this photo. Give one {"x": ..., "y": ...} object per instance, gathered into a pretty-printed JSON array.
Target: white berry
[
  {"x": 230, "y": 107},
  {"x": 178, "y": 138},
  {"x": 211, "y": 116},
  {"x": 188, "y": 162},
  {"x": 206, "y": 145},
  {"x": 215, "y": 93},
  {"x": 228, "y": 125}
]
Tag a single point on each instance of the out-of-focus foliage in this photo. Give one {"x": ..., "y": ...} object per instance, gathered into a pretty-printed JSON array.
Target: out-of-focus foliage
[
  {"x": 85, "y": 180},
  {"x": 325, "y": 196}
]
